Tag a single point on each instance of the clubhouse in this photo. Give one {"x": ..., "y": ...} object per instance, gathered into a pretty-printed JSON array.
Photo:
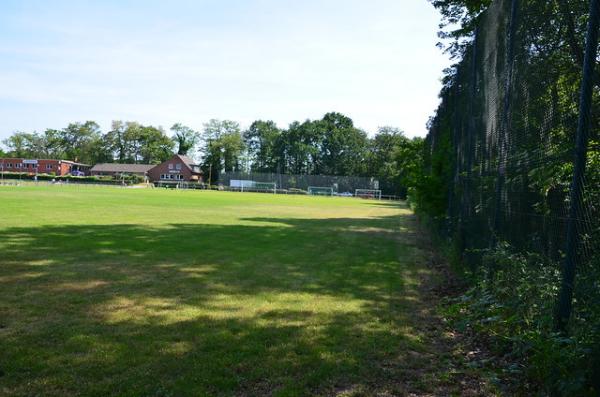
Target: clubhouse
[
  {"x": 43, "y": 166},
  {"x": 178, "y": 168}
]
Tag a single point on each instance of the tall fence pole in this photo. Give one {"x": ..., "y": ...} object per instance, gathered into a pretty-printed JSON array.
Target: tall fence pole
[
  {"x": 455, "y": 158},
  {"x": 576, "y": 194},
  {"x": 470, "y": 148},
  {"x": 502, "y": 144}
]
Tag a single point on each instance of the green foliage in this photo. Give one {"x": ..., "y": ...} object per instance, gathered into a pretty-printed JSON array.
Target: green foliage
[
  {"x": 498, "y": 165},
  {"x": 395, "y": 160},
  {"x": 223, "y": 147},
  {"x": 430, "y": 193},
  {"x": 512, "y": 302},
  {"x": 185, "y": 138},
  {"x": 331, "y": 145},
  {"x": 81, "y": 141},
  {"x": 127, "y": 179},
  {"x": 461, "y": 17},
  {"x": 263, "y": 143},
  {"x": 128, "y": 142},
  {"x": 132, "y": 142},
  {"x": 342, "y": 146}
]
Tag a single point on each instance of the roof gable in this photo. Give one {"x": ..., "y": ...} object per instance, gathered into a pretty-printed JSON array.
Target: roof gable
[{"x": 185, "y": 160}]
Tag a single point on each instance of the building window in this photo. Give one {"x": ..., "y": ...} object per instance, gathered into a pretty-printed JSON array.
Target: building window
[
  {"x": 48, "y": 166},
  {"x": 170, "y": 166},
  {"x": 178, "y": 166}
]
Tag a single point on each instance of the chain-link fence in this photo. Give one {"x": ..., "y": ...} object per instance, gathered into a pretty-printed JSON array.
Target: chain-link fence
[
  {"x": 503, "y": 148},
  {"x": 339, "y": 184}
]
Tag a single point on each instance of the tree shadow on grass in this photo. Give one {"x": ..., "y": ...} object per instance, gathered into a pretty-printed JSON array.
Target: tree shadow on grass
[{"x": 276, "y": 307}]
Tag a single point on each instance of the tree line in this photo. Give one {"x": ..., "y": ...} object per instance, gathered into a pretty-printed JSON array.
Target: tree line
[{"x": 328, "y": 146}]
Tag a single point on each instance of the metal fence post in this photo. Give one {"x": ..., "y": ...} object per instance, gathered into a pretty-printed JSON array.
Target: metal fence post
[
  {"x": 576, "y": 194},
  {"x": 469, "y": 148}
]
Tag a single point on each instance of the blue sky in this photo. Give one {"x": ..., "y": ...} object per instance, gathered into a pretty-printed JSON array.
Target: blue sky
[{"x": 161, "y": 62}]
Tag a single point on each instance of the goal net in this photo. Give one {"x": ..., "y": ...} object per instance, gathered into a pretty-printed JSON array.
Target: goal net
[
  {"x": 368, "y": 194},
  {"x": 320, "y": 191},
  {"x": 265, "y": 186},
  {"x": 253, "y": 186}
]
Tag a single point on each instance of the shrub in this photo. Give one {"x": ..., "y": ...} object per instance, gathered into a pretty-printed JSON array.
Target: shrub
[{"x": 512, "y": 301}]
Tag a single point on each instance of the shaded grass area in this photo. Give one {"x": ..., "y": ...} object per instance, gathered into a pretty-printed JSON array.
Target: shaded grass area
[{"x": 217, "y": 294}]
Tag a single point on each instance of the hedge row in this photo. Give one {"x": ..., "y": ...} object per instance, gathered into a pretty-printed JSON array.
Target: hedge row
[{"x": 129, "y": 179}]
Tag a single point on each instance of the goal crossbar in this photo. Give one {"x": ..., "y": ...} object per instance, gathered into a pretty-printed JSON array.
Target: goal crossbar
[
  {"x": 368, "y": 193},
  {"x": 320, "y": 190}
]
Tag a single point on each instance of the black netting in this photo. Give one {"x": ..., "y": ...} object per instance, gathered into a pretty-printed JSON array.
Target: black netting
[
  {"x": 501, "y": 147},
  {"x": 339, "y": 183}
]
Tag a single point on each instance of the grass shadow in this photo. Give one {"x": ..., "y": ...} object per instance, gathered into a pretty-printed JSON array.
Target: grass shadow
[{"x": 276, "y": 307}]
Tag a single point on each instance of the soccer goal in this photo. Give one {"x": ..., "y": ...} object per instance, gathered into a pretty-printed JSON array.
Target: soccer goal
[
  {"x": 368, "y": 194},
  {"x": 320, "y": 191},
  {"x": 265, "y": 186}
]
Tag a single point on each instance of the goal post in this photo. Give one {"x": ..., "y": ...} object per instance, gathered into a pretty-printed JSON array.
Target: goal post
[
  {"x": 247, "y": 185},
  {"x": 368, "y": 194},
  {"x": 266, "y": 186},
  {"x": 320, "y": 191}
]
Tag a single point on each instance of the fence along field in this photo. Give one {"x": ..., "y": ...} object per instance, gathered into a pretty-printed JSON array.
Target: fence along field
[{"x": 523, "y": 183}]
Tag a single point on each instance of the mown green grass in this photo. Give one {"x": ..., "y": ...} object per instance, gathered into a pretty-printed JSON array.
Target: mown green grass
[{"x": 131, "y": 292}]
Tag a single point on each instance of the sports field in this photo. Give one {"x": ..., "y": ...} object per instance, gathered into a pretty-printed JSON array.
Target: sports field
[{"x": 149, "y": 292}]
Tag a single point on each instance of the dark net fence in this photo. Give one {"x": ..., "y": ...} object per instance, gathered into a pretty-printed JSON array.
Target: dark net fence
[
  {"x": 339, "y": 184},
  {"x": 502, "y": 146}
]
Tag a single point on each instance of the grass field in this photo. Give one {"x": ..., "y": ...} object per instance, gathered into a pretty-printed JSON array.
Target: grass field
[{"x": 140, "y": 292}]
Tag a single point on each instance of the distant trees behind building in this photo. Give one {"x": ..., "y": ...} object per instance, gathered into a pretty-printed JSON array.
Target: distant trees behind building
[{"x": 329, "y": 146}]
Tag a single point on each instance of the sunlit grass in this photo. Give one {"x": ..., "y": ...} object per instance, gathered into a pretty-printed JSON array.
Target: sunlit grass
[{"x": 107, "y": 291}]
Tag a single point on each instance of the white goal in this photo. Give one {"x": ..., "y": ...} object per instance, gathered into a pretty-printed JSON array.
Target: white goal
[
  {"x": 265, "y": 186},
  {"x": 368, "y": 194},
  {"x": 253, "y": 186},
  {"x": 320, "y": 191}
]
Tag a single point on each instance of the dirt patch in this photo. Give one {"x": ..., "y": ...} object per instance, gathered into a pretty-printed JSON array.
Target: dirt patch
[{"x": 463, "y": 360}]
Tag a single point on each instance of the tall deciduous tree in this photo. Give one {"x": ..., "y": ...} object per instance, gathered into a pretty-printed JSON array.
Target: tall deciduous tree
[
  {"x": 185, "y": 138},
  {"x": 342, "y": 147},
  {"x": 459, "y": 19},
  {"x": 301, "y": 146},
  {"x": 116, "y": 141},
  {"x": 81, "y": 140},
  {"x": 223, "y": 146},
  {"x": 21, "y": 144},
  {"x": 262, "y": 140}
]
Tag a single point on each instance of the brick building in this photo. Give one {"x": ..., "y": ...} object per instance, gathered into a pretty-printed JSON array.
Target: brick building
[
  {"x": 43, "y": 166},
  {"x": 178, "y": 168}
]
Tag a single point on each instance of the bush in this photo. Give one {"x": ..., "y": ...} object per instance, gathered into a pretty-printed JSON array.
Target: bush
[
  {"x": 512, "y": 302},
  {"x": 67, "y": 178}
]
